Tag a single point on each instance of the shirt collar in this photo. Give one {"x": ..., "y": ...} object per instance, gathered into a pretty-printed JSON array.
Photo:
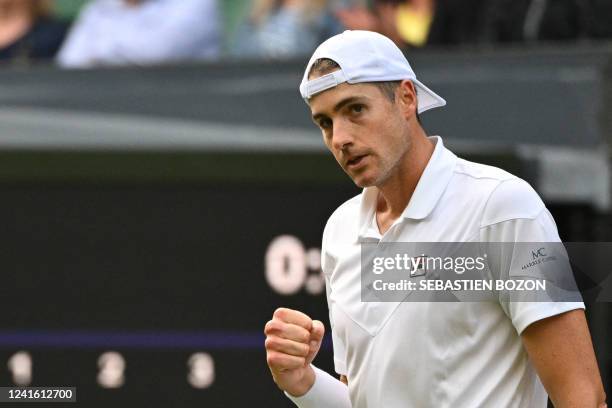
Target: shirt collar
[{"x": 427, "y": 193}]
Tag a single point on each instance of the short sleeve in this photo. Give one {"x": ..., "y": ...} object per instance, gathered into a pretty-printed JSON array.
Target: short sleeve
[
  {"x": 338, "y": 345},
  {"x": 327, "y": 266},
  {"x": 524, "y": 243}
]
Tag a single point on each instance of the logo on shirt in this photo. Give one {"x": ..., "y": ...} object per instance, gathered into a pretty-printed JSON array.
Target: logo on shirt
[
  {"x": 420, "y": 266},
  {"x": 538, "y": 256}
]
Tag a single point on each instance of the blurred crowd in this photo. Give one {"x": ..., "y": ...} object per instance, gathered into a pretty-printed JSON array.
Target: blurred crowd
[{"x": 90, "y": 33}]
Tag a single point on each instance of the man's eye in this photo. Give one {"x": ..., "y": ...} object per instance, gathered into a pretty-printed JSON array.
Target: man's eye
[
  {"x": 325, "y": 123},
  {"x": 357, "y": 108}
]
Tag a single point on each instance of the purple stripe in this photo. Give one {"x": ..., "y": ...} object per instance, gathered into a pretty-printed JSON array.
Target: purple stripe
[{"x": 211, "y": 340}]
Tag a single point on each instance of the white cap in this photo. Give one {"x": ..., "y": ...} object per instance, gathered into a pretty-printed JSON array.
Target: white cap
[{"x": 365, "y": 56}]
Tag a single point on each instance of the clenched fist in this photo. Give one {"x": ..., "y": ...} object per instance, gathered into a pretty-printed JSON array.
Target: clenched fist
[{"x": 292, "y": 342}]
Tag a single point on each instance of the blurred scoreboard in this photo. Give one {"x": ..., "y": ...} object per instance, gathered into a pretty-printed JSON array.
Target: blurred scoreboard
[{"x": 143, "y": 292}]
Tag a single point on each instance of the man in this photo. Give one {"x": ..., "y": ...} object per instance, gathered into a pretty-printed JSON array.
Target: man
[
  {"x": 365, "y": 98},
  {"x": 406, "y": 22},
  {"x": 28, "y": 32},
  {"x": 142, "y": 32}
]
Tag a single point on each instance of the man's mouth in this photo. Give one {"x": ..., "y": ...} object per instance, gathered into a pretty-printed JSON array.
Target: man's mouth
[{"x": 356, "y": 161}]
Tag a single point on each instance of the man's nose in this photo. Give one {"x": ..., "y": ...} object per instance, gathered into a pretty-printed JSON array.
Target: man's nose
[{"x": 342, "y": 136}]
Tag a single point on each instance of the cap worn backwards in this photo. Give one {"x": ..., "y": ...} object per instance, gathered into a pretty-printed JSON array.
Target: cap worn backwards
[{"x": 365, "y": 56}]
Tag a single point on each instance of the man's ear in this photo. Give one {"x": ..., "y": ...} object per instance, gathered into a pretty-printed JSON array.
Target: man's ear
[{"x": 407, "y": 98}]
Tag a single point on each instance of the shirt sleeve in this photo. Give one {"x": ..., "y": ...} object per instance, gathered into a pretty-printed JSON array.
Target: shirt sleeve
[
  {"x": 327, "y": 266},
  {"x": 523, "y": 243},
  {"x": 338, "y": 345}
]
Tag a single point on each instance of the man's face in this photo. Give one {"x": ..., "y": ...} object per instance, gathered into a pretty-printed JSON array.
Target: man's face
[{"x": 364, "y": 130}]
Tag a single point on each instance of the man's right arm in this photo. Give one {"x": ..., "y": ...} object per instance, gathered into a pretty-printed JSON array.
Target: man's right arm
[{"x": 292, "y": 342}]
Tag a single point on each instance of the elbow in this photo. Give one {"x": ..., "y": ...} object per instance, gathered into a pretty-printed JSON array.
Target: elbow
[
  {"x": 599, "y": 396},
  {"x": 583, "y": 397},
  {"x": 601, "y": 401}
]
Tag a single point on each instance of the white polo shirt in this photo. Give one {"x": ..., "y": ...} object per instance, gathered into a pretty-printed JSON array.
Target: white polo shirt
[{"x": 434, "y": 354}]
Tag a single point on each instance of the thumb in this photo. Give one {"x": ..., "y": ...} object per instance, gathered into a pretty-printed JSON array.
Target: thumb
[{"x": 316, "y": 337}]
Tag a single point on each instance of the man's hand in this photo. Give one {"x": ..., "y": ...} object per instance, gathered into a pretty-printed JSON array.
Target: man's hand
[{"x": 292, "y": 342}]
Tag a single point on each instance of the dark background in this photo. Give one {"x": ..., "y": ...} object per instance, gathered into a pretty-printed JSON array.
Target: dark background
[{"x": 184, "y": 263}]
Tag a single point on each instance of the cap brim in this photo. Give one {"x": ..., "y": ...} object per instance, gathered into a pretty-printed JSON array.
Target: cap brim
[{"x": 427, "y": 98}]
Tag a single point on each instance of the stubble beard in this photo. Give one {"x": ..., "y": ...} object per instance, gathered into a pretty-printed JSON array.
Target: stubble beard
[
  {"x": 388, "y": 168},
  {"x": 385, "y": 173}
]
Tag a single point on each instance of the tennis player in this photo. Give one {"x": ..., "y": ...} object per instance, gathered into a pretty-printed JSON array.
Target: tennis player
[{"x": 365, "y": 98}]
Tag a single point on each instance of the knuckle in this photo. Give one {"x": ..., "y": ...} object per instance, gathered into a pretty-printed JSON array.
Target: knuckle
[
  {"x": 303, "y": 350},
  {"x": 269, "y": 326},
  {"x": 281, "y": 313},
  {"x": 270, "y": 343},
  {"x": 307, "y": 324},
  {"x": 319, "y": 327},
  {"x": 272, "y": 360}
]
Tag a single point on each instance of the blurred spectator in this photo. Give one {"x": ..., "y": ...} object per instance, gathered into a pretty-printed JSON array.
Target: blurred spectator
[
  {"x": 528, "y": 20},
  {"x": 495, "y": 21},
  {"x": 420, "y": 22},
  {"x": 414, "y": 21},
  {"x": 552, "y": 20},
  {"x": 142, "y": 32},
  {"x": 406, "y": 22},
  {"x": 27, "y": 31},
  {"x": 284, "y": 28},
  {"x": 459, "y": 22}
]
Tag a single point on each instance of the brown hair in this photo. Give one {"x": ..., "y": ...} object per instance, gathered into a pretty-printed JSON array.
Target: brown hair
[{"x": 324, "y": 66}]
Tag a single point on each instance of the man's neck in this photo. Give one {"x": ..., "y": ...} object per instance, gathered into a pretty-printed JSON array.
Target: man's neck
[{"x": 396, "y": 192}]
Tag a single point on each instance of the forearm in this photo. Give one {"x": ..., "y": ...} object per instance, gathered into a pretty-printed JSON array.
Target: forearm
[
  {"x": 326, "y": 392},
  {"x": 561, "y": 350},
  {"x": 579, "y": 395}
]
